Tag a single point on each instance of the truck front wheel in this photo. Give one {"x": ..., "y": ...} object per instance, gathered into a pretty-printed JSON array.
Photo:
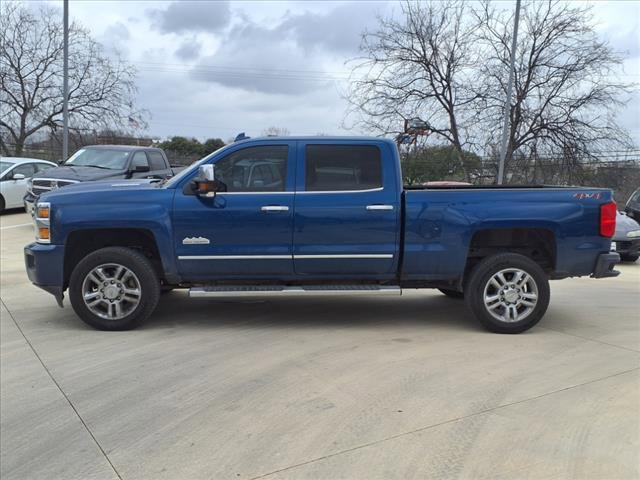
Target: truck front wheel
[
  {"x": 508, "y": 293},
  {"x": 114, "y": 288}
]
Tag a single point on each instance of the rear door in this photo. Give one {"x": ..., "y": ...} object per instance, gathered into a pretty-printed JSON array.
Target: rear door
[
  {"x": 246, "y": 231},
  {"x": 347, "y": 210}
]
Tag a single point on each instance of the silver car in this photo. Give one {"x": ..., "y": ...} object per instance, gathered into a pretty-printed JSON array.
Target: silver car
[{"x": 626, "y": 240}]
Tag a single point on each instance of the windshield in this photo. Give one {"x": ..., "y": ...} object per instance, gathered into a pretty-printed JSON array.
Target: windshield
[
  {"x": 193, "y": 167},
  {"x": 101, "y": 158},
  {"x": 4, "y": 166}
]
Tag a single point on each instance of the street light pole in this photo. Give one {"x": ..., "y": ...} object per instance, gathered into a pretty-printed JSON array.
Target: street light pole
[
  {"x": 65, "y": 87},
  {"x": 507, "y": 106}
]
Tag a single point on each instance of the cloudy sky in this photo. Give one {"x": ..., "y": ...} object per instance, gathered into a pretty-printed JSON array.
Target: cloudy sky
[{"x": 213, "y": 69}]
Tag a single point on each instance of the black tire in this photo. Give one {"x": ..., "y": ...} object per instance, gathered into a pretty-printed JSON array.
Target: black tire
[
  {"x": 629, "y": 258},
  {"x": 132, "y": 260},
  {"x": 452, "y": 293},
  {"x": 2, "y": 204},
  {"x": 480, "y": 278}
]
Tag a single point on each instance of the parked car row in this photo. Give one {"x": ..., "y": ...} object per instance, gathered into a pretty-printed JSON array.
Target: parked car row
[
  {"x": 23, "y": 180},
  {"x": 626, "y": 240},
  {"x": 101, "y": 162},
  {"x": 14, "y": 175},
  {"x": 632, "y": 208}
]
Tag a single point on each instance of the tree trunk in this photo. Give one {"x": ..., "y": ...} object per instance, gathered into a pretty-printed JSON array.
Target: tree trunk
[{"x": 19, "y": 148}]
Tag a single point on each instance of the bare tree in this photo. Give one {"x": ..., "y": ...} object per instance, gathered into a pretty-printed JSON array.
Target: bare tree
[
  {"x": 419, "y": 65},
  {"x": 566, "y": 92},
  {"x": 276, "y": 132},
  {"x": 448, "y": 63},
  {"x": 101, "y": 91}
]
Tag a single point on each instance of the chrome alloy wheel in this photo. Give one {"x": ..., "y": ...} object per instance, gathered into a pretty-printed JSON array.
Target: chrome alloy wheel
[
  {"x": 510, "y": 295},
  {"x": 111, "y": 291}
]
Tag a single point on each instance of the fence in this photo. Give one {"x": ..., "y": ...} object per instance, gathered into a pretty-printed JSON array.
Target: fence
[{"x": 619, "y": 171}]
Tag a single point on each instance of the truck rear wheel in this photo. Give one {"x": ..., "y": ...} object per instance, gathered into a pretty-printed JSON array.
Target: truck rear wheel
[
  {"x": 114, "y": 288},
  {"x": 508, "y": 293}
]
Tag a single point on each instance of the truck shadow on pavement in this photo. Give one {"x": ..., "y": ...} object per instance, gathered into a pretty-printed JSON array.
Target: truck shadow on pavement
[{"x": 430, "y": 310}]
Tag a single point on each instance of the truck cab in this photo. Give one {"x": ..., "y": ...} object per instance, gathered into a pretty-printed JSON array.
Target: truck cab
[{"x": 315, "y": 215}]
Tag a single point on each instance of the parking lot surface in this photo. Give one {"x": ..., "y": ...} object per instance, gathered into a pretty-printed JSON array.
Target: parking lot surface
[{"x": 327, "y": 388}]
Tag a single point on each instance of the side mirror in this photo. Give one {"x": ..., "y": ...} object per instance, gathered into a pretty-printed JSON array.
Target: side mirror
[
  {"x": 205, "y": 183},
  {"x": 18, "y": 176},
  {"x": 141, "y": 168},
  {"x": 206, "y": 172}
]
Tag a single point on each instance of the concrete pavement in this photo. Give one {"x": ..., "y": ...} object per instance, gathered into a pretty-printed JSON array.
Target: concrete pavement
[{"x": 326, "y": 388}]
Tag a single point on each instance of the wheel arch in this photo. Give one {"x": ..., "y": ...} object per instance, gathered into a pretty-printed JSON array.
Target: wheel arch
[
  {"x": 80, "y": 243},
  {"x": 537, "y": 243}
]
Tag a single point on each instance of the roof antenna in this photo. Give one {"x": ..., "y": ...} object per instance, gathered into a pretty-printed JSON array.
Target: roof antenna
[{"x": 241, "y": 136}]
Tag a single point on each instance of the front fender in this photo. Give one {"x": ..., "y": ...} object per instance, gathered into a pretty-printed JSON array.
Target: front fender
[{"x": 150, "y": 211}]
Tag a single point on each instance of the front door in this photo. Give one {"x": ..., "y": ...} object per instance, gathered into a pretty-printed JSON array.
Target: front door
[
  {"x": 347, "y": 211},
  {"x": 246, "y": 231},
  {"x": 13, "y": 189}
]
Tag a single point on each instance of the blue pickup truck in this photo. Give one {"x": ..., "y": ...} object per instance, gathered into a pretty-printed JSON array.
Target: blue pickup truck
[{"x": 320, "y": 216}]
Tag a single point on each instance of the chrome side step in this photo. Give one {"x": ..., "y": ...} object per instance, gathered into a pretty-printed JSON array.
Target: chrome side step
[{"x": 276, "y": 290}]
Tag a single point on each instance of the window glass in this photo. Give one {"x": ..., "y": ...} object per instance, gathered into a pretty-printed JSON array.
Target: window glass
[
  {"x": 4, "y": 166},
  {"x": 99, "y": 158},
  {"x": 139, "y": 160},
  {"x": 26, "y": 169},
  {"x": 254, "y": 169},
  {"x": 342, "y": 167},
  {"x": 41, "y": 167},
  {"x": 156, "y": 161}
]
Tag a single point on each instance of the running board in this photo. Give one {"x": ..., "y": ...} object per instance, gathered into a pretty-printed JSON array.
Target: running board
[{"x": 269, "y": 290}]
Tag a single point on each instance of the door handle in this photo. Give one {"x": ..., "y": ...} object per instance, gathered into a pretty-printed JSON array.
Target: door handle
[
  {"x": 275, "y": 208},
  {"x": 379, "y": 207}
]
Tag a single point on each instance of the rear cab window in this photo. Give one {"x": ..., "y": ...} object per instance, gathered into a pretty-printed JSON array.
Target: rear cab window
[
  {"x": 333, "y": 168},
  {"x": 156, "y": 160},
  {"x": 139, "y": 160}
]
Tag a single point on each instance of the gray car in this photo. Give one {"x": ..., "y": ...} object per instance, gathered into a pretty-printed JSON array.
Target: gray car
[{"x": 626, "y": 240}]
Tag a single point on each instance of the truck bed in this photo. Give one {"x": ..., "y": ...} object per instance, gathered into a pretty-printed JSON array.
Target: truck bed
[{"x": 441, "y": 224}]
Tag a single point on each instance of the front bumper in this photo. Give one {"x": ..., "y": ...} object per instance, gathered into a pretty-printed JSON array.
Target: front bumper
[
  {"x": 635, "y": 214},
  {"x": 29, "y": 201},
  {"x": 628, "y": 247},
  {"x": 45, "y": 268},
  {"x": 605, "y": 264}
]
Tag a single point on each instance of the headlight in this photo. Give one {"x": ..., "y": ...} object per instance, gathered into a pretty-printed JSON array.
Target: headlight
[
  {"x": 30, "y": 184},
  {"x": 633, "y": 234},
  {"x": 42, "y": 219}
]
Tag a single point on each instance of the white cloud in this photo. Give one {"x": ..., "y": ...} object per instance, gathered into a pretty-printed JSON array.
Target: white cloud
[
  {"x": 189, "y": 50},
  {"x": 188, "y": 16},
  {"x": 266, "y": 63}
]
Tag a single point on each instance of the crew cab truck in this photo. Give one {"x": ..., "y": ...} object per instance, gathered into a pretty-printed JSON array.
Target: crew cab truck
[
  {"x": 100, "y": 162},
  {"x": 307, "y": 215}
]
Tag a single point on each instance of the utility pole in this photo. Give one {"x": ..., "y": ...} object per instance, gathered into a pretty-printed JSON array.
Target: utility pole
[
  {"x": 507, "y": 106},
  {"x": 65, "y": 87}
]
